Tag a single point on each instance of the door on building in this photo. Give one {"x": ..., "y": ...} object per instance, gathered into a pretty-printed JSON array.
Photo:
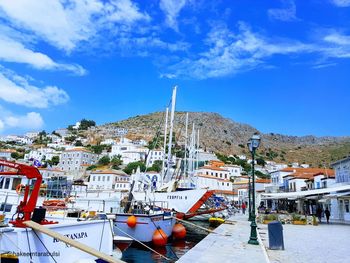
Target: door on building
[{"x": 341, "y": 209}]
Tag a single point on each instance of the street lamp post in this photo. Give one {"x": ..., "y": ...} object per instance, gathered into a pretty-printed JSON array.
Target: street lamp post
[
  {"x": 249, "y": 198},
  {"x": 253, "y": 144}
]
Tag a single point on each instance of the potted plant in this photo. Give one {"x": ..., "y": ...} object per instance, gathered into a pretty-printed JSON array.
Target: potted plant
[
  {"x": 298, "y": 220},
  {"x": 269, "y": 218}
]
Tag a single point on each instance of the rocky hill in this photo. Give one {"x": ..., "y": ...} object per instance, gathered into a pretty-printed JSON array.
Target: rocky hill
[{"x": 219, "y": 134}]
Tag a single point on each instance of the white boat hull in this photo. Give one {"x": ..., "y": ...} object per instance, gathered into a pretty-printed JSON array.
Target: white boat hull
[
  {"x": 23, "y": 241},
  {"x": 145, "y": 226},
  {"x": 180, "y": 201}
]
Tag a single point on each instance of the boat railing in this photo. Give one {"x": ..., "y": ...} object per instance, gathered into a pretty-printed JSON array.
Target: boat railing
[{"x": 143, "y": 207}]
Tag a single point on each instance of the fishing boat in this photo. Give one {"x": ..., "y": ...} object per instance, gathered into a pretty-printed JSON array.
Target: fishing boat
[
  {"x": 177, "y": 187},
  {"x": 145, "y": 226},
  {"x": 144, "y": 221},
  {"x": 49, "y": 241}
]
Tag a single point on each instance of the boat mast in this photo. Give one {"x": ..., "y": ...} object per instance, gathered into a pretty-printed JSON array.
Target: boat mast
[
  {"x": 197, "y": 151},
  {"x": 172, "y": 113},
  {"x": 164, "y": 144},
  {"x": 185, "y": 159}
]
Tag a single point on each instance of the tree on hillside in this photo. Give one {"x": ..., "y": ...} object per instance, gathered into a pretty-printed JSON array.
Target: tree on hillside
[
  {"x": 85, "y": 124},
  {"x": 78, "y": 143},
  {"x": 260, "y": 161},
  {"x": 133, "y": 166},
  {"x": 97, "y": 148},
  {"x": 116, "y": 162},
  {"x": 16, "y": 155},
  {"x": 156, "y": 167},
  {"x": 105, "y": 160}
]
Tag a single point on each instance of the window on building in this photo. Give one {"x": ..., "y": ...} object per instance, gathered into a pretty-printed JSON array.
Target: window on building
[
  {"x": 93, "y": 178},
  {"x": 103, "y": 178},
  {"x": 7, "y": 183},
  {"x": 99, "y": 178},
  {"x": 76, "y": 162},
  {"x": 108, "y": 178},
  {"x": 225, "y": 176},
  {"x": 228, "y": 184},
  {"x": 15, "y": 183},
  {"x": 346, "y": 203}
]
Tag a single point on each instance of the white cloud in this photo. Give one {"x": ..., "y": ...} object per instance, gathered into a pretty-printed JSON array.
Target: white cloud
[
  {"x": 288, "y": 13},
  {"x": 16, "y": 89},
  {"x": 31, "y": 120},
  {"x": 338, "y": 38},
  {"x": 26, "y": 121},
  {"x": 124, "y": 11},
  {"x": 341, "y": 3},
  {"x": 230, "y": 53},
  {"x": 13, "y": 51},
  {"x": 338, "y": 45},
  {"x": 66, "y": 23},
  {"x": 172, "y": 8}
]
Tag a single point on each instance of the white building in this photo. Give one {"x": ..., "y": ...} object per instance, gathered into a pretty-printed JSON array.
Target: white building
[
  {"x": 31, "y": 135},
  {"x": 63, "y": 132},
  {"x": 128, "y": 151},
  {"x": 73, "y": 160},
  {"x": 108, "y": 142},
  {"x": 47, "y": 172},
  {"x": 6, "y": 153},
  {"x": 109, "y": 180},
  {"x": 41, "y": 154},
  {"x": 154, "y": 155},
  {"x": 340, "y": 205}
]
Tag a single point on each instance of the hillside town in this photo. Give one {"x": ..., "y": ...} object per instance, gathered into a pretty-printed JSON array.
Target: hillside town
[{"x": 109, "y": 162}]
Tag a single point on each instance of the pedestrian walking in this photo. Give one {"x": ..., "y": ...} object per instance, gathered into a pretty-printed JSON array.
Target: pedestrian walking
[
  {"x": 327, "y": 213},
  {"x": 319, "y": 213},
  {"x": 243, "y": 208}
]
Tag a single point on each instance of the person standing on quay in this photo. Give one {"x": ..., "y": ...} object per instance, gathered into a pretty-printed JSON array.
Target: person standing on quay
[
  {"x": 327, "y": 213},
  {"x": 243, "y": 208}
]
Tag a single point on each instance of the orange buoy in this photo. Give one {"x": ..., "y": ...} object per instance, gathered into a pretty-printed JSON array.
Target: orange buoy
[
  {"x": 131, "y": 222},
  {"x": 179, "y": 231},
  {"x": 159, "y": 237}
]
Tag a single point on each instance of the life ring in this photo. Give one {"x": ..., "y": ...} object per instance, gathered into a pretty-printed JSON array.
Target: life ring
[{"x": 19, "y": 188}]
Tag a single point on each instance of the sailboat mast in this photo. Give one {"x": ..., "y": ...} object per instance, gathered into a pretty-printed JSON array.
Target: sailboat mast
[
  {"x": 172, "y": 113},
  {"x": 197, "y": 150},
  {"x": 185, "y": 159},
  {"x": 164, "y": 144}
]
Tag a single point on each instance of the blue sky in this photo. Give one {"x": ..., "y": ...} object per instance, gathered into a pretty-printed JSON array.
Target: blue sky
[{"x": 281, "y": 66}]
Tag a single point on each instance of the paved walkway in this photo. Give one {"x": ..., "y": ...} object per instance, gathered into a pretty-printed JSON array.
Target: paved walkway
[
  {"x": 312, "y": 244},
  {"x": 230, "y": 245}
]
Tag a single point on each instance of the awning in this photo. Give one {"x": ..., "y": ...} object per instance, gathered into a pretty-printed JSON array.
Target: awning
[
  {"x": 301, "y": 194},
  {"x": 336, "y": 195}
]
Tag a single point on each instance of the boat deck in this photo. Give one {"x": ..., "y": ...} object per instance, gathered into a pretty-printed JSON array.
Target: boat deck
[{"x": 229, "y": 245}]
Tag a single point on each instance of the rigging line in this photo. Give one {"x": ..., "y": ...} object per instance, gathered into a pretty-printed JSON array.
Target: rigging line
[
  {"x": 103, "y": 229},
  {"x": 133, "y": 238},
  {"x": 44, "y": 245},
  {"x": 3, "y": 234},
  {"x": 158, "y": 132},
  {"x": 30, "y": 251}
]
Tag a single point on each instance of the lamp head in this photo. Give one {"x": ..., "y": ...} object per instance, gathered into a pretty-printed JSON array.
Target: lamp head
[{"x": 254, "y": 143}]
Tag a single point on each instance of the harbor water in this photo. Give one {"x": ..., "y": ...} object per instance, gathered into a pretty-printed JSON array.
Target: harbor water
[{"x": 173, "y": 250}]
